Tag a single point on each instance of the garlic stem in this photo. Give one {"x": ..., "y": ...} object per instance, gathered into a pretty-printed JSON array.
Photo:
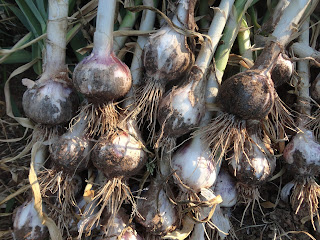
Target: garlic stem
[
  {"x": 304, "y": 50},
  {"x": 289, "y": 20},
  {"x": 103, "y": 36},
  {"x": 244, "y": 42},
  {"x": 304, "y": 73},
  {"x": 181, "y": 16},
  {"x": 211, "y": 94},
  {"x": 229, "y": 35},
  {"x": 215, "y": 32},
  {"x": 147, "y": 23},
  {"x": 56, "y": 37},
  {"x": 127, "y": 23}
]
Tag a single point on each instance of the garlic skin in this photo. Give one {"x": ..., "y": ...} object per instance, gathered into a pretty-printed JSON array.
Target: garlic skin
[
  {"x": 102, "y": 77},
  {"x": 303, "y": 154},
  {"x": 157, "y": 221},
  {"x": 71, "y": 151},
  {"x": 225, "y": 186},
  {"x": 27, "y": 225},
  {"x": 256, "y": 166},
  {"x": 166, "y": 55},
  {"x": 52, "y": 102},
  {"x": 282, "y": 71},
  {"x": 120, "y": 155},
  {"x": 195, "y": 166},
  {"x": 286, "y": 192},
  {"x": 183, "y": 107}
]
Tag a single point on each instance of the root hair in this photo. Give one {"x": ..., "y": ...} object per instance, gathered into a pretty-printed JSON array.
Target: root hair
[
  {"x": 279, "y": 118},
  {"x": 224, "y": 130},
  {"x": 64, "y": 187},
  {"x": 110, "y": 196},
  {"x": 249, "y": 195},
  {"x": 147, "y": 104},
  {"x": 101, "y": 120},
  {"x": 314, "y": 123},
  {"x": 306, "y": 192}
]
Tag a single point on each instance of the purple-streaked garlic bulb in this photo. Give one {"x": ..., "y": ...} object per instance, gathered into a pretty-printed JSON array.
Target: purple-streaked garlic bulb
[
  {"x": 27, "y": 224},
  {"x": 158, "y": 215},
  {"x": 101, "y": 77},
  {"x": 120, "y": 155},
  {"x": 51, "y": 100},
  {"x": 225, "y": 186},
  {"x": 183, "y": 107},
  {"x": 194, "y": 166}
]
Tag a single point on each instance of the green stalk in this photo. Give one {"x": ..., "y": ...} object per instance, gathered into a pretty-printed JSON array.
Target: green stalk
[
  {"x": 254, "y": 18},
  {"x": 216, "y": 28},
  {"x": 229, "y": 35},
  {"x": 127, "y": 23},
  {"x": 245, "y": 43}
]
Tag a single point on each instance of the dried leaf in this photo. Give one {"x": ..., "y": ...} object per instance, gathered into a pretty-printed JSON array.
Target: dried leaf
[
  {"x": 187, "y": 224},
  {"x": 53, "y": 229}
]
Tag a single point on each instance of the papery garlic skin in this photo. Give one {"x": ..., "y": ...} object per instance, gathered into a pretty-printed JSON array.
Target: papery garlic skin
[{"x": 27, "y": 224}]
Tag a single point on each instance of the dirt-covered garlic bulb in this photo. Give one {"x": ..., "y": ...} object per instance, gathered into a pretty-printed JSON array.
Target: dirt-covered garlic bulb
[
  {"x": 117, "y": 157},
  {"x": 71, "y": 151},
  {"x": 254, "y": 167},
  {"x": 51, "y": 100},
  {"x": 122, "y": 154},
  {"x": 158, "y": 215},
  {"x": 282, "y": 71},
  {"x": 27, "y": 224},
  {"x": 166, "y": 57},
  {"x": 302, "y": 154},
  {"x": 102, "y": 77},
  {"x": 247, "y": 95},
  {"x": 183, "y": 107}
]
